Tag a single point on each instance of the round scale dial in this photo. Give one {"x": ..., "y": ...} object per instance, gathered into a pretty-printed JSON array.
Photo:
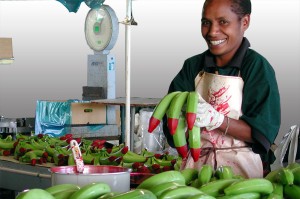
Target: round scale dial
[{"x": 101, "y": 28}]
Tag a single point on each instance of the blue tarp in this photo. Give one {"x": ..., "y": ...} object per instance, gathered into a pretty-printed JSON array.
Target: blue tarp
[{"x": 73, "y": 5}]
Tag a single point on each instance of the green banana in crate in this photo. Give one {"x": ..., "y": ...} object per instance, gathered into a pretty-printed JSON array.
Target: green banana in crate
[
  {"x": 71, "y": 160},
  {"x": 36, "y": 145},
  {"x": 131, "y": 157},
  {"x": 162, "y": 162},
  {"x": 217, "y": 187},
  {"x": 224, "y": 172},
  {"x": 61, "y": 188},
  {"x": 88, "y": 157},
  {"x": 135, "y": 194},
  {"x": 179, "y": 138},
  {"x": 259, "y": 185},
  {"x": 174, "y": 111},
  {"x": 160, "y": 110},
  {"x": 167, "y": 176},
  {"x": 201, "y": 196},
  {"x": 179, "y": 192},
  {"x": 191, "y": 109},
  {"x": 35, "y": 194},
  {"x": 7, "y": 144},
  {"x": 160, "y": 188},
  {"x": 91, "y": 191},
  {"x": 291, "y": 191},
  {"x": 285, "y": 176},
  {"x": 250, "y": 195},
  {"x": 205, "y": 174},
  {"x": 189, "y": 174}
]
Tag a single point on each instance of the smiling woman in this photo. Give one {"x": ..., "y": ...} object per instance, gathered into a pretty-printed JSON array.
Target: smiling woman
[{"x": 239, "y": 124}]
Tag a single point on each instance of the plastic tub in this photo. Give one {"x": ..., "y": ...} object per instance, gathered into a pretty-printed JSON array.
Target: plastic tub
[{"x": 118, "y": 178}]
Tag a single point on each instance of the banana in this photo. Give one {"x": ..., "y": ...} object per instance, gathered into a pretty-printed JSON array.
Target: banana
[
  {"x": 179, "y": 192},
  {"x": 189, "y": 174},
  {"x": 259, "y": 185},
  {"x": 293, "y": 165},
  {"x": 71, "y": 160},
  {"x": 7, "y": 144},
  {"x": 195, "y": 142},
  {"x": 205, "y": 174},
  {"x": 179, "y": 138},
  {"x": 291, "y": 191},
  {"x": 195, "y": 183},
  {"x": 108, "y": 195},
  {"x": 201, "y": 196},
  {"x": 91, "y": 191},
  {"x": 224, "y": 172},
  {"x": 249, "y": 195},
  {"x": 191, "y": 108},
  {"x": 296, "y": 173},
  {"x": 135, "y": 194},
  {"x": 277, "y": 189},
  {"x": 131, "y": 157},
  {"x": 61, "y": 188},
  {"x": 285, "y": 176},
  {"x": 271, "y": 176},
  {"x": 160, "y": 110},
  {"x": 159, "y": 189},
  {"x": 217, "y": 187},
  {"x": 272, "y": 196},
  {"x": 167, "y": 176},
  {"x": 35, "y": 194},
  {"x": 64, "y": 194},
  {"x": 174, "y": 111}
]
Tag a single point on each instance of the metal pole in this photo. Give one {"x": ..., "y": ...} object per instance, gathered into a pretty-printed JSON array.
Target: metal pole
[{"x": 127, "y": 66}]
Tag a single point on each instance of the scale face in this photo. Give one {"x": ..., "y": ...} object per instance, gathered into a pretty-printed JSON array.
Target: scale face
[{"x": 101, "y": 28}]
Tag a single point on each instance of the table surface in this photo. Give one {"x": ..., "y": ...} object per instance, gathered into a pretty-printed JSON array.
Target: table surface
[{"x": 134, "y": 101}]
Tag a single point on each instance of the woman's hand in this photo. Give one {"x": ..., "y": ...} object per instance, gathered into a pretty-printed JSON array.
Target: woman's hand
[{"x": 207, "y": 116}]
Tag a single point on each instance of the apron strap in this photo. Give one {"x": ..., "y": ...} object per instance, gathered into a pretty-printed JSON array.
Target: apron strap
[{"x": 206, "y": 151}]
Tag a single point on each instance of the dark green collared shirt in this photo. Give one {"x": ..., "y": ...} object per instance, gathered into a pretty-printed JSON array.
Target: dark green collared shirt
[{"x": 261, "y": 99}]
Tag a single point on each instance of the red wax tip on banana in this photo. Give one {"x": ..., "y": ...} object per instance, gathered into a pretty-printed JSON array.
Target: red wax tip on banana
[
  {"x": 195, "y": 153},
  {"x": 182, "y": 151},
  {"x": 190, "y": 118},
  {"x": 153, "y": 123},
  {"x": 172, "y": 125}
]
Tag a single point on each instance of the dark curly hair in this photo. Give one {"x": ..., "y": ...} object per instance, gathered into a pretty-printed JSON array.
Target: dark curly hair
[{"x": 239, "y": 7}]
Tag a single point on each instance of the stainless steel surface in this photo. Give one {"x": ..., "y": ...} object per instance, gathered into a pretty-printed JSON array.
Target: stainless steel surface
[{"x": 22, "y": 176}]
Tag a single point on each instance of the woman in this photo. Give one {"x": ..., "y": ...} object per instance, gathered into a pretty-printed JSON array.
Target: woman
[{"x": 240, "y": 109}]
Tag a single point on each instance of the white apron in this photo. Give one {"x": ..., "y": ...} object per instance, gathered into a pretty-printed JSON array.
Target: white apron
[{"x": 224, "y": 93}]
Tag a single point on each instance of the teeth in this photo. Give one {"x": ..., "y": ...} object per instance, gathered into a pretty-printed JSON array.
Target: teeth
[{"x": 217, "y": 42}]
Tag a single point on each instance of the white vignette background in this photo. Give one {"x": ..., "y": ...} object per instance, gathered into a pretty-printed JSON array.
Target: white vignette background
[{"x": 51, "y": 52}]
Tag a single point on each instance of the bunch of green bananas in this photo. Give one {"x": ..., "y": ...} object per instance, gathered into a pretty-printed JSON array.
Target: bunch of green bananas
[
  {"x": 67, "y": 191},
  {"x": 286, "y": 181},
  {"x": 172, "y": 105}
]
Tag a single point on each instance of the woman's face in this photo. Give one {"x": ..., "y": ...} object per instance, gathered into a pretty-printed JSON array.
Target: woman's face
[{"x": 222, "y": 29}]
